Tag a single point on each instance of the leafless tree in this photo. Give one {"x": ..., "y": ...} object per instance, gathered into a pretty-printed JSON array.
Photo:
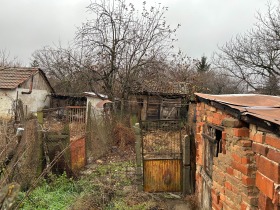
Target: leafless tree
[
  {"x": 124, "y": 43},
  {"x": 6, "y": 60},
  {"x": 254, "y": 57},
  {"x": 65, "y": 68},
  {"x": 200, "y": 76}
]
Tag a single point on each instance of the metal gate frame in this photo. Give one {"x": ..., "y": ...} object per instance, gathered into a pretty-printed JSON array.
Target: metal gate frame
[{"x": 162, "y": 155}]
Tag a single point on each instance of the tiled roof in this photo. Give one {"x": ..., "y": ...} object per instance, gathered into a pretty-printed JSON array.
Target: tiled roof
[
  {"x": 163, "y": 88},
  {"x": 11, "y": 78}
]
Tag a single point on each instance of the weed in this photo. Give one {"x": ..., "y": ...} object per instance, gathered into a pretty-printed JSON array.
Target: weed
[
  {"x": 107, "y": 186},
  {"x": 56, "y": 193}
]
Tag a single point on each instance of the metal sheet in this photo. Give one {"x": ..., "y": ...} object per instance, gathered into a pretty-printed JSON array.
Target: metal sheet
[
  {"x": 264, "y": 107},
  {"x": 162, "y": 175},
  {"x": 100, "y": 104},
  {"x": 78, "y": 154},
  {"x": 244, "y": 100}
]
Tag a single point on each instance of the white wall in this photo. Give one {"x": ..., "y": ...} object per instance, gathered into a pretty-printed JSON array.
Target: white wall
[
  {"x": 7, "y": 98},
  {"x": 93, "y": 101},
  {"x": 33, "y": 102}
]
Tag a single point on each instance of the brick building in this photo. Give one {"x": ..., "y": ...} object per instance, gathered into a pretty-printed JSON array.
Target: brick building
[{"x": 238, "y": 151}]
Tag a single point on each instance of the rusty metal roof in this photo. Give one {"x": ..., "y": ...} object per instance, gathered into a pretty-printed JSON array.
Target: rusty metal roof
[
  {"x": 11, "y": 78},
  {"x": 263, "y": 107}
]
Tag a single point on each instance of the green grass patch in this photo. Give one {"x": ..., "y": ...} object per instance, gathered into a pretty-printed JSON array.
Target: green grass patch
[
  {"x": 57, "y": 193},
  {"x": 107, "y": 186}
]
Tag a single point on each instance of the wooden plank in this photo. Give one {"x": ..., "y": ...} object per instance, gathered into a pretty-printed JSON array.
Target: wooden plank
[{"x": 162, "y": 175}]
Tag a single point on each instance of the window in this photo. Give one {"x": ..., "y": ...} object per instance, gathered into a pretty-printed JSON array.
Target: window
[{"x": 212, "y": 146}]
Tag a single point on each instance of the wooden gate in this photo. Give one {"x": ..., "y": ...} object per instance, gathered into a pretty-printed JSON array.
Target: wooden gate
[{"x": 162, "y": 155}]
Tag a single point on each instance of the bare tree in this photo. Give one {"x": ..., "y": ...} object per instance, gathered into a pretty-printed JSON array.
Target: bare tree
[
  {"x": 254, "y": 57},
  {"x": 6, "y": 60},
  {"x": 200, "y": 77},
  {"x": 65, "y": 68},
  {"x": 124, "y": 42}
]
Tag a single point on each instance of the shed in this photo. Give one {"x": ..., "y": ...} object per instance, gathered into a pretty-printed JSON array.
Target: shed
[
  {"x": 63, "y": 100},
  {"x": 160, "y": 100},
  {"x": 28, "y": 85},
  {"x": 238, "y": 151},
  {"x": 97, "y": 103}
]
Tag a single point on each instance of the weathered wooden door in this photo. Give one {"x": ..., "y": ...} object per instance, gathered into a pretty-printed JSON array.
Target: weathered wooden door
[
  {"x": 162, "y": 156},
  {"x": 212, "y": 146},
  {"x": 162, "y": 175}
]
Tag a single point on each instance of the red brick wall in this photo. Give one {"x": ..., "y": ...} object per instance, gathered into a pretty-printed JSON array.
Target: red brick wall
[
  {"x": 266, "y": 146},
  {"x": 246, "y": 174}
]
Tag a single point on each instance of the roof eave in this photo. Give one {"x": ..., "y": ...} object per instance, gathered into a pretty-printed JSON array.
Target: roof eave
[{"x": 243, "y": 116}]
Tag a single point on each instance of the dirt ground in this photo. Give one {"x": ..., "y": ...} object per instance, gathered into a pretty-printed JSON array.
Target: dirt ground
[{"x": 161, "y": 201}]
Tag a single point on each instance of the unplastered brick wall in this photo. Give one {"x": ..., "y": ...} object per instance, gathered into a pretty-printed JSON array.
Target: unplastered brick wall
[
  {"x": 236, "y": 182},
  {"x": 266, "y": 146}
]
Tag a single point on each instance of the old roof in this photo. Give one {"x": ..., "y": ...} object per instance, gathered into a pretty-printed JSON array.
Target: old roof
[
  {"x": 264, "y": 107},
  {"x": 163, "y": 88},
  {"x": 11, "y": 78},
  {"x": 94, "y": 95}
]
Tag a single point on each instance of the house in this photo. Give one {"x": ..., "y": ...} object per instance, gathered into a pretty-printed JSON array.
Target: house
[
  {"x": 159, "y": 101},
  {"x": 28, "y": 85},
  {"x": 238, "y": 151}
]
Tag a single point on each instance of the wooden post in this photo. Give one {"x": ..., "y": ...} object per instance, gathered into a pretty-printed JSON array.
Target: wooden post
[
  {"x": 193, "y": 162},
  {"x": 40, "y": 118},
  {"x": 186, "y": 166},
  {"x": 138, "y": 157},
  {"x": 88, "y": 132}
]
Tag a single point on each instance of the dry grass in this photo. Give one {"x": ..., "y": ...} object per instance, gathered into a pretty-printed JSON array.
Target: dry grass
[
  {"x": 123, "y": 136},
  {"x": 25, "y": 159},
  {"x": 8, "y": 139},
  {"x": 193, "y": 201},
  {"x": 53, "y": 125}
]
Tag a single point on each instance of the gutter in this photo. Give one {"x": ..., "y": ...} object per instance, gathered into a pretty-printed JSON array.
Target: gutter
[{"x": 30, "y": 88}]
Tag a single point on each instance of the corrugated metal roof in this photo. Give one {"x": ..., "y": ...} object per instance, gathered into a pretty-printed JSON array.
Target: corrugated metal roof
[
  {"x": 264, "y": 107},
  {"x": 94, "y": 95},
  {"x": 11, "y": 78}
]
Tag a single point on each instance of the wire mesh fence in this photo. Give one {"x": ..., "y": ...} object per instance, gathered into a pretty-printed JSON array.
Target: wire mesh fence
[
  {"x": 161, "y": 138},
  {"x": 99, "y": 132}
]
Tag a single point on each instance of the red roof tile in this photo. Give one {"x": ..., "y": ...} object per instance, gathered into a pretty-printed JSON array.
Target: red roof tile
[{"x": 11, "y": 78}]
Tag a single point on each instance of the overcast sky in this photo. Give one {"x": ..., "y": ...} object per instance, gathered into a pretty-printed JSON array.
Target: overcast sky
[{"x": 27, "y": 25}]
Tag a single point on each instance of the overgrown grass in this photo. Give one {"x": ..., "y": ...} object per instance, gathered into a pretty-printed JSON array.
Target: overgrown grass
[
  {"x": 58, "y": 193},
  {"x": 107, "y": 186}
]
